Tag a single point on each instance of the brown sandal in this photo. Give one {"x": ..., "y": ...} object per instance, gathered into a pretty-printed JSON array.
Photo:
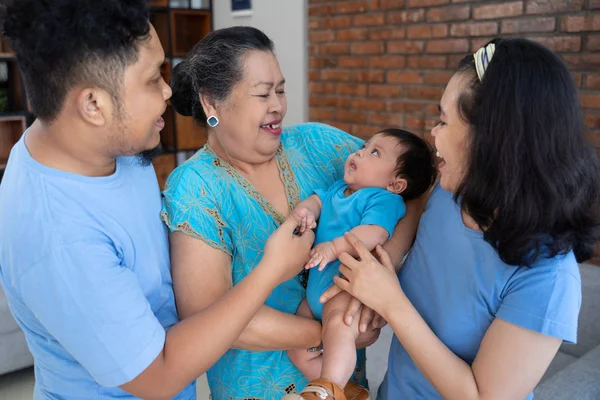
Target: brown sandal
[{"x": 322, "y": 389}]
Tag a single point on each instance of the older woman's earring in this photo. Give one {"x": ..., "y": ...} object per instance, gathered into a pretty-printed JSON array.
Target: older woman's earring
[{"x": 212, "y": 121}]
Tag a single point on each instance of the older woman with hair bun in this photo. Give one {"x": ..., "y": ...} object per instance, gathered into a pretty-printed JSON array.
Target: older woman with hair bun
[{"x": 223, "y": 203}]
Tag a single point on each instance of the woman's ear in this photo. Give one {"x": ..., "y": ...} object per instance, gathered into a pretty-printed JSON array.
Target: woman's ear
[
  {"x": 398, "y": 185},
  {"x": 208, "y": 106}
]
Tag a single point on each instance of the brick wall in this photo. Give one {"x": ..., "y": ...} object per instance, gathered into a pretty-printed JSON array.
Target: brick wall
[{"x": 377, "y": 63}]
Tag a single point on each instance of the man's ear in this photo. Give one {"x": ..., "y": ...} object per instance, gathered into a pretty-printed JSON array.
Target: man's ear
[
  {"x": 94, "y": 106},
  {"x": 398, "y": 185}
]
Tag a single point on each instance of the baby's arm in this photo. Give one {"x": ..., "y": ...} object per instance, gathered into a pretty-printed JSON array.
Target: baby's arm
[
  {"x": 308, "y": 211},
  {"x": 326, "y": 252}
]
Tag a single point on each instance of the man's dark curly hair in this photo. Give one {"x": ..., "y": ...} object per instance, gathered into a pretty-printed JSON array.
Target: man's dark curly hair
[{"x": 61, "y": 44}]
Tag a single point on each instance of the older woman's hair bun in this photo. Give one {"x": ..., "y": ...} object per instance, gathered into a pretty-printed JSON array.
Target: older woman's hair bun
[{"x": 183, "y": 90}]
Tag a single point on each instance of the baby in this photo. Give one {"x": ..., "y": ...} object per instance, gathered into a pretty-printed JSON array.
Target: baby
[{"x": 393, "y": 166}]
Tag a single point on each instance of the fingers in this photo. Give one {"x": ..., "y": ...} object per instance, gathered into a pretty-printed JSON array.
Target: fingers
[
  {"x": 342, "y": 283},
  {"x": 330, "y": 293},
  {"x": 294, "y": 220},
  {"x": 360, "y": 248},
  {"x": 384, "y": 257},
  {"x": 323, "y": 263},
  {"x": 366, "y": 316},
  {"x": 315, "y": 259},
  {"x": 353, "y": 308},
  {"x": 347, "y": 260}
]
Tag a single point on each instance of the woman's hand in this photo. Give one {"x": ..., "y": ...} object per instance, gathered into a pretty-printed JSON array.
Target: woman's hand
[
  {"x": 287, "y": 253},
  {"x": 371, "y": 280},
  {"x": 307, "y": 219}
]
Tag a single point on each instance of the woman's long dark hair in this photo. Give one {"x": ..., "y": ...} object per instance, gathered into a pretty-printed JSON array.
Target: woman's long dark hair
[{"x": 533, "y": 180}]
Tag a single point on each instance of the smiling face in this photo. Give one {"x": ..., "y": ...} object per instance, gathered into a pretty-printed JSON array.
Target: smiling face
[
  {"x": 451, "y": 135},
  {"x": 251, "y": 117},
  {"x": 375, "y": 165}
]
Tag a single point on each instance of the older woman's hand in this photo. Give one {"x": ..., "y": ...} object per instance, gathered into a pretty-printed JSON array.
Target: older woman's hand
[{"x": 371, "y": 280}]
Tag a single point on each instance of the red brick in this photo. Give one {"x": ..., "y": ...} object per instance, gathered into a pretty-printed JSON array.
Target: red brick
[
  {"x": 581, "y": 23},
  {"x": 403, "y": 17},
  {"x": 553, "y": 6},
  {"x": 338, "y": 22},
  {"x": 426, "y": 3},
  {"x": 474, "y": 29},
  {"x": 340, "y": 125},
  {"x": 583, "y": 62},
  {"x": 428, "y": 62},
  {"x": 414, "y": 122},
  {"x": 353, "y": 62},
  {"x": 314, "y": 23},
  {"x": 320, "y": 87},
  {"x": 391, "y": 4},
  {"x": 387, "y": 62},
  {"x": 368, "y": 48},
  {"x": 562, "y": 44},
  {"x": 447, "y": 46},
  {"x": 396, "y": 32},
  {"x": 320, "y": 114},
  {"x": 385, "y": 91},
  {"x": 593, "y": 81},
  {"x": 335, "y": 75},
  {"x": 404, "y": 77},
  {"x": 477, "y": 43},
  {"x": 577, "y": 79},
  {"x": 321, "y": 36},
  {"x": 450, "y": 13},
  {"x": 589, "y": 100},
  {"x": 355, "y": 116},
  {"x": 351, "y": 35},
  {"x": 319, "y": 10},
  {"x": 391, "y": 120},
  {"x": 328, "y": 101},
  {"x": 314, "y": 75},
  {"x": 454, "y": 59},
  {"x": 405, "y": 47},
  {"x": 369, "y": 20},
  {"x": 322, "y": 62},
  {"x": 530, "y": 25},
  {"x": 593, "y": 43},
  {"x": 405, "y": 106},
  {"x": 368, "y": 104},
  {"x": 493, "y": 11},
  {"x": 368, "y": 76},
  {"x": 365, "y": 131},
  {"x": 432, "y": 109},
  {"x": 350, "y": 7},
  {"x": 426, "y": 31},
  {"x": 438, "y": 78},
  {"x": 334, "y": 48},
  {"x": 594, "y": 139},
  {"x": 426, "y": 93},
  {"x": 351, "y": 89},
  {"x": 592, "y": 121}
]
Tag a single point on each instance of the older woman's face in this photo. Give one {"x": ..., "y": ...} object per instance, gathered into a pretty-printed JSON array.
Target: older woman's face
[
  {"x": 251, "y": 118},
  {"x": 451, "y": 136}
]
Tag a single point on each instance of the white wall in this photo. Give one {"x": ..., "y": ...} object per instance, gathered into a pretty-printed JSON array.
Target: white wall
[{"x": 285, "y": 22}]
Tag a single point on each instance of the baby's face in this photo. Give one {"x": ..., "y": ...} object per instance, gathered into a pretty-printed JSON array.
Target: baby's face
[{"x": 374, "y": 165}]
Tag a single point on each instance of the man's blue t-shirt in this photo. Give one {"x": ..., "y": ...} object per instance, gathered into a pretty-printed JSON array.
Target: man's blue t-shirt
[
  {"x": 458, "y": 284},
  {"x": 85, "y": 266},
  {"x": 341, "y": 214}
]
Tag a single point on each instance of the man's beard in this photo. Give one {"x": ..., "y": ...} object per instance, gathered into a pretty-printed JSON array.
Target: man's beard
[{"x": 146, "y": 157}]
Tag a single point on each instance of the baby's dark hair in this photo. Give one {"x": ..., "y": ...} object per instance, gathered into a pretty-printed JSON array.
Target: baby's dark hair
[
  {"x": 64, "y": 43},
  {"x": 213, "y": 68},
  {"x": 416, "y": 163}
]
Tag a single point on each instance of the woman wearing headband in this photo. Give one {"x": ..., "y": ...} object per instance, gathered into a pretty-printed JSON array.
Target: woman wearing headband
[{"x": 491, "y": 287}]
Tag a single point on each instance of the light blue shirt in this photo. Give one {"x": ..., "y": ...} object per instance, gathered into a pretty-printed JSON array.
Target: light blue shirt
[
  {"x": 341, "y": 214},
  {"x": 458, "y": 284},
  {"x": 85, "y": 266}
]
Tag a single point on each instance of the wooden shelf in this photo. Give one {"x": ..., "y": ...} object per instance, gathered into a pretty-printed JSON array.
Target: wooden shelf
[
  {"x": 160, "y": 21},
  {"x": 159, "y": 3},
  {"x": 165, "y": 71},
  {"x": 167, "y": 135},
  {"x": 11, "y": 129},
  {"x": 163, "y": 165},
  {"x": 189, "y": 27},
  {"x": 189, "y": 135}
]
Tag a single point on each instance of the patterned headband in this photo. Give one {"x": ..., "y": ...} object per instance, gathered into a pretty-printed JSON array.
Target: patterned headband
[{"x": 483, "y": 57}]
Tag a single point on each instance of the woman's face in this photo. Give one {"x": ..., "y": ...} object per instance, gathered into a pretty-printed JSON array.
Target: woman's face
[
  {"x": 451, "y": 135},
  {"x": 251, "y": 118}
]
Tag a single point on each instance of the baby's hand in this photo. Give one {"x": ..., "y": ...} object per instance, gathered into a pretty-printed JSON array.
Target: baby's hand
[
  {"x": 307, "y": 220},
  {"x": 321, "y": 255}
]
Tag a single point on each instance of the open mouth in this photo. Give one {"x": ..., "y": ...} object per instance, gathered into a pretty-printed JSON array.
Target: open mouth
[
  {"x": 160, "y": 123},
  {"x": 352, "y": 165},
  {"x": 441, "y": 161},
  {"x": 273, "y": 127}
]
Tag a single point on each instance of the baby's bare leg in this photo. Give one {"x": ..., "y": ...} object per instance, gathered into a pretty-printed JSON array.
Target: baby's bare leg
[
  {"x": 308, "y": 363},
  {"x": 339, "y": 341}
]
